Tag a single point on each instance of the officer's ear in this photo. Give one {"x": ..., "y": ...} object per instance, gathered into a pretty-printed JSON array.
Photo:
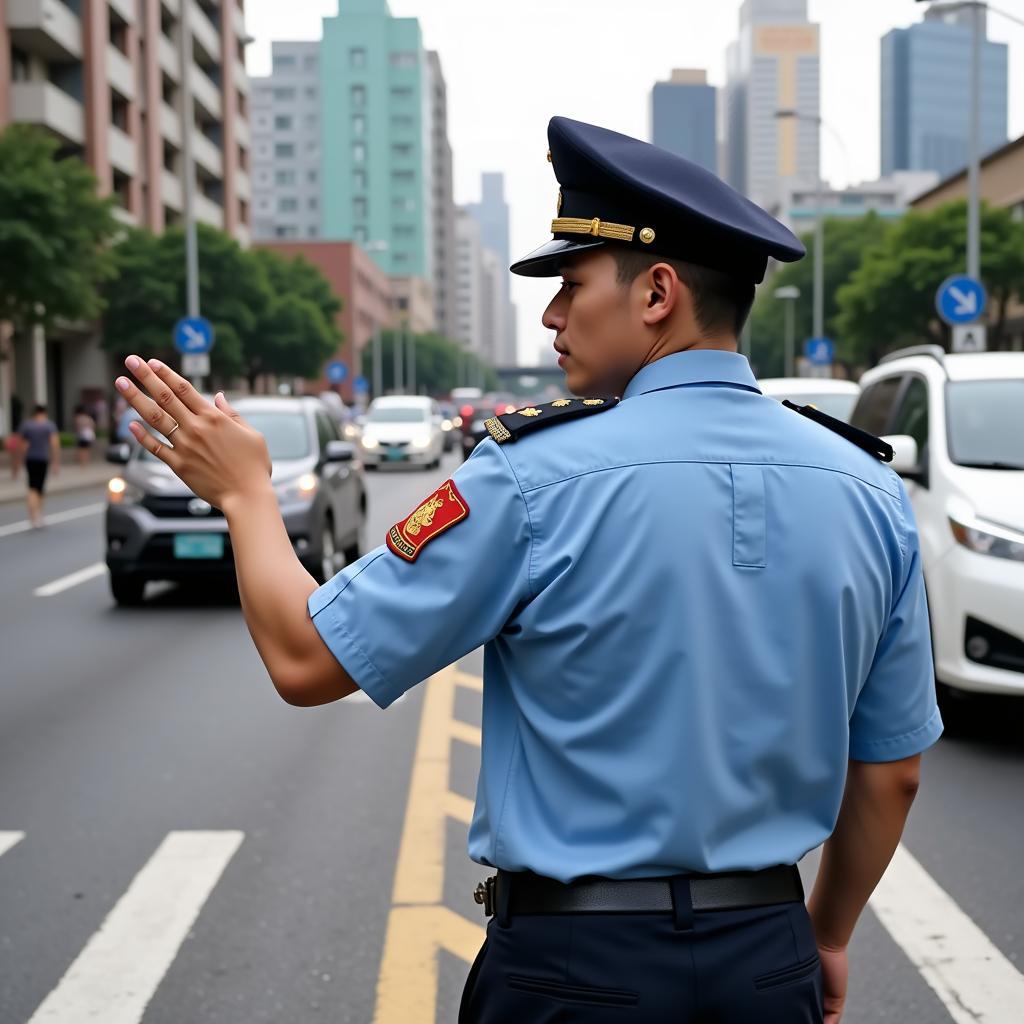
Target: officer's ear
[{"x": 662, "y": 293}]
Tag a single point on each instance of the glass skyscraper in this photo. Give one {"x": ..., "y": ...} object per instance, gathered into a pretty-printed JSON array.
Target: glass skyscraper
[
  {"x": 925, "y": 94},
  {"x": 683, "y": 117}
]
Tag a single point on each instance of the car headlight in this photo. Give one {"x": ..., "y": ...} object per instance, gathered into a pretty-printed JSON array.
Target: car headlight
[
  {"x": 421, "y": 442},
  {"x": 988, "y": 539},
  {"x": 369, "y": 442},
  {"x": 120, "y": 492},
  {"x": 446, "y": 425},
  {"x": 351, "y": 432},
  {"x": 301, "y": 488}
]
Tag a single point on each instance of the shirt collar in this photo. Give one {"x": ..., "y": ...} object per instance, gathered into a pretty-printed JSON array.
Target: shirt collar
[{"x": 697, "y": 366}]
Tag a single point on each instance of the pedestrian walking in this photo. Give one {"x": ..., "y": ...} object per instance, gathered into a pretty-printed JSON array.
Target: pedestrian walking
[
  {"x": 706, "y": 642},
  {"x": 40, "y": 449},
  {"x": 85, "y": 435}
]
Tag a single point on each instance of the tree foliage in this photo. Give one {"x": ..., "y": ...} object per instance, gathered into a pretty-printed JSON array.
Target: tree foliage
[
  {"x": 270, "y": 315},
  {"x": 440, "y": 364},
  {"x": 846, "y": 242},
  {"x": 889, "y": 300},
  {"x": 54, "y": 232}
]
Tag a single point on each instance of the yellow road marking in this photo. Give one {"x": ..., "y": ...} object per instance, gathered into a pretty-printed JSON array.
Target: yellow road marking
[{"x": 419, "y": 925}]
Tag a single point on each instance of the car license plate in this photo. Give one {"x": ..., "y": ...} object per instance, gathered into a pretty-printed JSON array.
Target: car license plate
[
  {"x": 394, "y": 454},
  {"x": 198, "y": 545}
]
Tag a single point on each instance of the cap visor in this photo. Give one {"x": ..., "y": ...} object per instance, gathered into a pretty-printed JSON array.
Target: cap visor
[{"x": 549, "y": 259}]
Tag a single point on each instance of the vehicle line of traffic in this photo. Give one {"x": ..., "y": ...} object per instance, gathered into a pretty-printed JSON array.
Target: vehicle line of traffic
[
  {"x": 72, "y": 579},
  {"x": 24, "y": 525}
]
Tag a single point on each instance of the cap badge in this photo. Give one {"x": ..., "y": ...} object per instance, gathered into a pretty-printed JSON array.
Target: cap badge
[{"x": 647, "y": 235}]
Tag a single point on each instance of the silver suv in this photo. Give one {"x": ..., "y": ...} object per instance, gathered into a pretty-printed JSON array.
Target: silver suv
[{"x": 157, "y": 529}]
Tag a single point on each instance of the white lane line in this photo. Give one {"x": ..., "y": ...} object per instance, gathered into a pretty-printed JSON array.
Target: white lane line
[
  {"x": 976, "y": 983},
  {"x": 116, "y": 974},
  {"x": 9, "y": 839},
  {"x": 71, "y": 580},
  {"x": 23, "y": 525}
]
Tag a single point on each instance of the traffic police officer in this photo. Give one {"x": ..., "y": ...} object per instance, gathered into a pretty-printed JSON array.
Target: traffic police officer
[{"x": 706, "y": 639}]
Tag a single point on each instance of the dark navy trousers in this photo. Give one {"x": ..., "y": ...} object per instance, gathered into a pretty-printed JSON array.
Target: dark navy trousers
[{"x": 721, "y": 967}]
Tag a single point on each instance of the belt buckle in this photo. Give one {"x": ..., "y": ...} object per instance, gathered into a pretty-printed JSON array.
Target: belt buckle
[{"x": 484, "y": 894}]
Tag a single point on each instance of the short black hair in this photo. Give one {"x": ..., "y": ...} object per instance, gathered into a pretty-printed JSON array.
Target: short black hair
[
  {"x": 720, "y": 301},
  {"x": 38, "y": 409}
]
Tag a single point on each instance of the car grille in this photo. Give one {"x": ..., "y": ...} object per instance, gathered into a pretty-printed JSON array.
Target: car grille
[{"x": 175, "y": 508}]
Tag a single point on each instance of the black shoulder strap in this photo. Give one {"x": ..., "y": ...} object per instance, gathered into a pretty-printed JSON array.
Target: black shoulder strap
[
  {"x": 861, "y": 438},
  {"x": 513, "y": 425}
]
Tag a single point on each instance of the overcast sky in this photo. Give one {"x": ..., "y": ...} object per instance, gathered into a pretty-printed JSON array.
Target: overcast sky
[{"x": 511, "y": 64}]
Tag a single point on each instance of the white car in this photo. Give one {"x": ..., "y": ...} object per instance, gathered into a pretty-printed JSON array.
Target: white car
[
  {"x": 956, "y": 423},
  {"x": 834, "y": 397},
  {"x": 402, "y": 429}
]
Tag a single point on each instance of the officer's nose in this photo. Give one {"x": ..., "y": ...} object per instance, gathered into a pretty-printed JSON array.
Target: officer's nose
[{"x": 554, "y": 316}]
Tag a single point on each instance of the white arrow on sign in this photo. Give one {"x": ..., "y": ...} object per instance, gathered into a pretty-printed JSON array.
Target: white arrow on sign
[
  {"x": 192, "y": 336},
  {"x": 967, "y": 302}
]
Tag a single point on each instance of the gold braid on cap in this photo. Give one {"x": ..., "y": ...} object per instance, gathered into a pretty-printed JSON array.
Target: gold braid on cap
[{"x": 595, "y": 226}]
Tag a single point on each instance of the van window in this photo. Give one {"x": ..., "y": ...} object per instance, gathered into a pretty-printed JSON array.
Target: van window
[{"x": 875, "y": 405}]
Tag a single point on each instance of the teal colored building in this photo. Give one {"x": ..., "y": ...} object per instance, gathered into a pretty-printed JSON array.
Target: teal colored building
[{"x": 375, "y": 124}]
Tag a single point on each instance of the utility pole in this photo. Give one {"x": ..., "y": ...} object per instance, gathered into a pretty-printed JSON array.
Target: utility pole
[
  {"x": 412, "y": 362},
  {"x": 789, "y": 294},
  {"x": 974, "y": 148},
  {"x": 188, "y": 126},
  {"x": 399, "y": 344},
  {"x": 378, "y": 363}
]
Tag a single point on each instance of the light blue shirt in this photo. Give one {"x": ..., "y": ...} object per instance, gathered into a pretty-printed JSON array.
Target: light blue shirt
[{"x": 696, "y": 607}]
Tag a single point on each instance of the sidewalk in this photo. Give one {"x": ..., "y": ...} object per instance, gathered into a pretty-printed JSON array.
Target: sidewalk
[{"x": 71, "y": 477}]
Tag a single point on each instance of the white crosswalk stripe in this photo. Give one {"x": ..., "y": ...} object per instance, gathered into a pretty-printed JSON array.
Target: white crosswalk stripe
[
  {"x": 114, "y": 977},
  {"x": 976, "y": 983},
  {"x": 9, "y": 839}
]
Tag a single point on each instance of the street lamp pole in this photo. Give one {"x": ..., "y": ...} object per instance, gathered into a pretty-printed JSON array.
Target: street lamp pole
[{"x": 789, "y": 294}]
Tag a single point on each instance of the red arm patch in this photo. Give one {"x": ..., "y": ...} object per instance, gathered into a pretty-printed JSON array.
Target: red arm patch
[{"x": 442, "y": 510}]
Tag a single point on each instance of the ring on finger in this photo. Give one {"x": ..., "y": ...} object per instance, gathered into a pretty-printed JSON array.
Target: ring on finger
[{"x": 173, "y": 429}]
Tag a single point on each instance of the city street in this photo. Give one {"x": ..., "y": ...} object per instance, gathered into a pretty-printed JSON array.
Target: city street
[{"x": 179, "y": 846}]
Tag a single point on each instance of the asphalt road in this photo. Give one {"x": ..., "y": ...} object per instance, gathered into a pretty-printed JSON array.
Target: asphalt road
[{"x": 153, "y": 784}]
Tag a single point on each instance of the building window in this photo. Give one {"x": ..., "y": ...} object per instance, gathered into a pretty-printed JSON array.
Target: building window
[
  {"x": 311, "y": 92},
  {"x": 284, "y": 150},
  {"x": 358, "y": 125},
  {"x": 401, "y": 92},
  {"x": 309, "y": 62},
  {"x": 284, "y": 60},
  {"x": 311, "y": 120},
  {"x": 313, "y": 203},
  {"x": 311, "y": 177},
  {"x": 405, "y": 59},
  {"x": 358, "y": 152},
  {"x": 359, "y": 208},
  {"x": 401, "y": 257},
  {"x": 359, "y": 233},
  {"x": 282, "y": 123},
  {"x": 283, "y": 94},
  {"x": 312, "y": 231},
  {"x": 284, "y": 178},
  {"x": 357, "y": 95},
  {"x": 359, "y": 181},
  {"x": 403, "y": 177},
  {"x": 402, "y": 151},
  {"x": 287, "y": 204},
  {"x": 357, "y": 57},
  {"x": 403, "y": 231}
]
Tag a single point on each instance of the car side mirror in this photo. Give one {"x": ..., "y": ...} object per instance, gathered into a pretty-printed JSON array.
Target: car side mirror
[
  {"x": 119, "y": 453},
  {"x": 906, "y": 458},
  {"x": 339, "y": 451}
]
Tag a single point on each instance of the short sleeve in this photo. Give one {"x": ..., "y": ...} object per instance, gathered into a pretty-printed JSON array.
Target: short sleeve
[
  {"x": 392, "y": 623},
  {"x": 896, "y": 714}
]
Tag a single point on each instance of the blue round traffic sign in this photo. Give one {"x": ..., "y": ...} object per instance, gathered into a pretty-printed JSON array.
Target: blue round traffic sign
[
  {"x": 361, "y": 385},
  {"x": 193, "y": 335},
  {"x": 820, "y": 351},
  {"x": 960, "y": 299},
  {"x": 336, "y": 372}
]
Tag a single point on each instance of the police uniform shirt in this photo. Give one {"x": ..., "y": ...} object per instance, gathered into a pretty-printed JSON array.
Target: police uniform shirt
[{"x": 695, "y": 607}]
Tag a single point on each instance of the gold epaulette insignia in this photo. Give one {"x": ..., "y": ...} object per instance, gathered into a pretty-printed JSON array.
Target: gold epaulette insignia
[{"x": 513, "y": 425}]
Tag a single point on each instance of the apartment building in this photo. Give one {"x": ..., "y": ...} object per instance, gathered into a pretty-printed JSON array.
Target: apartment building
[{"x": 121, "y": 83}]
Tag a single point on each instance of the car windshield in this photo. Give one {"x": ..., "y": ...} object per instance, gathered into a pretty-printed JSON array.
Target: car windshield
[
  {"x": 286, "y": 432},
  {"x": 840, "y": 406},
  {"x": 986, "y": 423},
  {"x": 397, "y": 414}
]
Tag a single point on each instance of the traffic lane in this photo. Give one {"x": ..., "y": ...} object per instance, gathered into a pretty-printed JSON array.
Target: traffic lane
[{"x": 117, "y": 737}]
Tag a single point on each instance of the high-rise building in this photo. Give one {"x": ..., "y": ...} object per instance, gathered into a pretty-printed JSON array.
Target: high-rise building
[
  {"x": 469, "y": 321},
  {"x": 443, "y": 206},
  {"x": 492, "y": 216},
  {"x": 376, "y": 136},
  {"x": 682, "y": 117},
  {"x": 286, "y": 144},
  {"x": 773, "y": 65},
  {"x": 925, "y": 94},
  {"x": 121, "y": 84}
]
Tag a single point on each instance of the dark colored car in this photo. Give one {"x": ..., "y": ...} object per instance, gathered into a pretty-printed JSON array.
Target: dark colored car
[{"x": 157, "y": 529}]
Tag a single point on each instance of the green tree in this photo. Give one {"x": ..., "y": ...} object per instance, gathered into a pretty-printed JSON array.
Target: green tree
[
  {"x": 440, "y": 364},
  {"x": 846, "y": 242},
  {"x": 296, "y": 331},
  {"x": 54, "y": 232},
  {"x": 889, "y": 300}
]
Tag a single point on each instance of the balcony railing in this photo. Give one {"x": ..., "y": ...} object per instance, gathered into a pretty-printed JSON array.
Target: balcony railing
[
  {"x": 44, "y": 104},
  {"x": 47, "y": 28}
]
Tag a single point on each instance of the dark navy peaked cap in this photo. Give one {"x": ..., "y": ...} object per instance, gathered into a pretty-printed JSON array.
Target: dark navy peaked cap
[{"x": 618, "y": 189}]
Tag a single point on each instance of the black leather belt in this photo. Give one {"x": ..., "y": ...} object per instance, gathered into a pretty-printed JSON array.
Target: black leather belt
[{"x": 528, "y": 893}]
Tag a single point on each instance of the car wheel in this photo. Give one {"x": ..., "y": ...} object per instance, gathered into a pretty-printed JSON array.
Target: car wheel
[
  {"x": 328, "y": 564},
  {"x": 127, "y": 590}
]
